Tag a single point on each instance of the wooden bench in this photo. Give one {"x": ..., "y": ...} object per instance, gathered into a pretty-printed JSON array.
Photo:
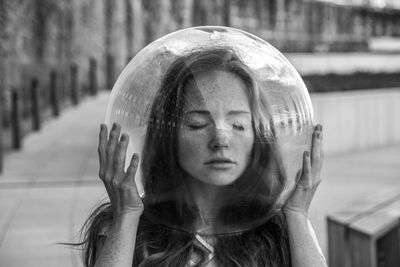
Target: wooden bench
[{"x": 367, "y": 233}]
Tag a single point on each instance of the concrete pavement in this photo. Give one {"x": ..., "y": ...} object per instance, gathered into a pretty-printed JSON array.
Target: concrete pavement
[{"x": 48, "y": 188}]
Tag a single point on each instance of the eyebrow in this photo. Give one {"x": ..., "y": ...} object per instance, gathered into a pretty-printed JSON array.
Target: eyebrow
[
  {"x": 206, "y": 112},
  {"x": 238, "y": 112}
]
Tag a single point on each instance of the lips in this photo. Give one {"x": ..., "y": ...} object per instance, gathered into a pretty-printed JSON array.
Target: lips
[{"x": 220, "y": 162}]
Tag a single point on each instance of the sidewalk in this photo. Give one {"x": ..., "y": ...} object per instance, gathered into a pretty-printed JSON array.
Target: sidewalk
[{"x": 48, "y": 188}]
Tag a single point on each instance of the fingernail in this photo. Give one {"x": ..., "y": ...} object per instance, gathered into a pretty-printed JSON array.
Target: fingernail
[
  {"x": 135, "y": 158},
  {"x": 307, "y": 154},
  {"x": 123, "y": 137},
  {"x": 317, "y": 134},
  {"x": 114, "y": 126}
]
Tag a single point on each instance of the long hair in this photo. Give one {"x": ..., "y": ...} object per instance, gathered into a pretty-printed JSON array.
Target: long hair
[{"x": 265, "y": 243}]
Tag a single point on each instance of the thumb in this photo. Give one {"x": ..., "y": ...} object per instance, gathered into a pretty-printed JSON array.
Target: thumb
[
  {"x": 305, "y": 177},
  {"x": 130, "y": 174},
  {"x": 131, "y": 171}
]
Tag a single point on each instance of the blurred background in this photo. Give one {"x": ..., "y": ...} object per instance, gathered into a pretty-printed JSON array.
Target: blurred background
[{"x": 60, "y": 58}]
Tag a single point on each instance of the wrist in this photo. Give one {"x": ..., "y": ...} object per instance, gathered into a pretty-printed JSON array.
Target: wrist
[
  {"x": 295, "y": 216},
  {"x": 127, "y": 216}
]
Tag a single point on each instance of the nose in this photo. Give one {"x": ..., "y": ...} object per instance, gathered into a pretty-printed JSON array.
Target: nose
[{"x": 220, "y": 139}]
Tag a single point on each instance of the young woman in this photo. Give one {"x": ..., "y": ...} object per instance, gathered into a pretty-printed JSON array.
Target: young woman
[{"x": 212, "y": 179}]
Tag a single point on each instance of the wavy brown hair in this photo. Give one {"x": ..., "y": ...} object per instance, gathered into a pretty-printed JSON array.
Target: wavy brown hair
[{"x": 261, "y": 242}]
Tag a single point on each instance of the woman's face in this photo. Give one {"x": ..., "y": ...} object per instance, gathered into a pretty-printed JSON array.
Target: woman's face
[{"x": 216, "y": 136}]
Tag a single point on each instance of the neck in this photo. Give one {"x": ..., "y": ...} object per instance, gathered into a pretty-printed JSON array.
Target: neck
[{"x": 207, "y": 199}]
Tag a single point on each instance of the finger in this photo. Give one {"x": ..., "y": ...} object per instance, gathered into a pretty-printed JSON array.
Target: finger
[
  {"x": 120, "y": 155},
  {"x": 131, "y": 171},
  {"x": 305, "y": 178},
  {"x": 111, "y": 148},
  {"x": 316, "y": 152},
  {"x": 103, "y": 158},
  {"x": 102, "y": 149}
]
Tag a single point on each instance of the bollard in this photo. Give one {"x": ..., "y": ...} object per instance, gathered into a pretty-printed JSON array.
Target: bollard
[
  {"x": 16, "y": 120},
  {"x": 35, "y": 105},
  {"x": 1, "y": 146},
  {"x": 54, "y": 97},
  {"x": 110, "y": 73},
  {"x": 1, "y": 132},
  {"x": 93, "y": 86},
  {"x": 74, "y": 88},
  {"x": 227, "y": 13}
]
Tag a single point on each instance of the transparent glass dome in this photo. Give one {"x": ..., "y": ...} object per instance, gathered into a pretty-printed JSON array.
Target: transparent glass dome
[{"x": 220, "y": 120}]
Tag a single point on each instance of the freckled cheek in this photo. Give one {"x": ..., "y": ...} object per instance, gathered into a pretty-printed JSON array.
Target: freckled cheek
[
  {"x": 185, "y": 146},
  {"x": 245, "y": 148},
  {"x": 190, "y": 148}
]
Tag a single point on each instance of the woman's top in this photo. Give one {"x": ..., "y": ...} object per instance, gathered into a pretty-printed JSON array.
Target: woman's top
[{"x": 206, "y": 242}]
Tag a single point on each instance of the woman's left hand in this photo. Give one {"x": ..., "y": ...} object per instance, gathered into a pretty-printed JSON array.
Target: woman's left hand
[{"x": 310, "y": 177}]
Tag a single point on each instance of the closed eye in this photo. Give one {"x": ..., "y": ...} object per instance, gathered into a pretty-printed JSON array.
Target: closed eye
[
  {"x": 238, "y": 126},
  {"x": 197, "y": 126}
]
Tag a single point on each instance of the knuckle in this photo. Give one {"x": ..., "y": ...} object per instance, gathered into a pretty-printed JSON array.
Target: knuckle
[
  {"x": 108, "y": 176},
  {"x": 115, "y": 183},
  {"x": 100, "y": 148},
  {"x": 131, "y": 169},
  {"x": 115, "y": 132},
  {"x": 110, "y": 149}
]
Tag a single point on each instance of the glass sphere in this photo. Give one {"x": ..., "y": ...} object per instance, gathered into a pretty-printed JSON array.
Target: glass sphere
[{"x": 219, "y": 116}]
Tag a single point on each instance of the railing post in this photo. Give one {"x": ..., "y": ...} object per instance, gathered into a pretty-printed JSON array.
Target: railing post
[
  {"x": 227, "y": 13},
  {"x": 16, "y": 120},
  {"x": 54, "y": 97},
  {"x": 1, "y": 131},
  {"x": 93, "y": 86},
  {"x": 110, "y": 73},
  {"x": 74, "y": 85},
  {"x": 35, "y": 105}
]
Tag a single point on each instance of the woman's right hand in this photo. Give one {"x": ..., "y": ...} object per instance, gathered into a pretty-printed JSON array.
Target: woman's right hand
[{"x": 120, "y": 185}]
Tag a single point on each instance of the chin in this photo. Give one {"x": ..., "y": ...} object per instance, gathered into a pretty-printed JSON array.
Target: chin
[{"x": 220, "y": 180}]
